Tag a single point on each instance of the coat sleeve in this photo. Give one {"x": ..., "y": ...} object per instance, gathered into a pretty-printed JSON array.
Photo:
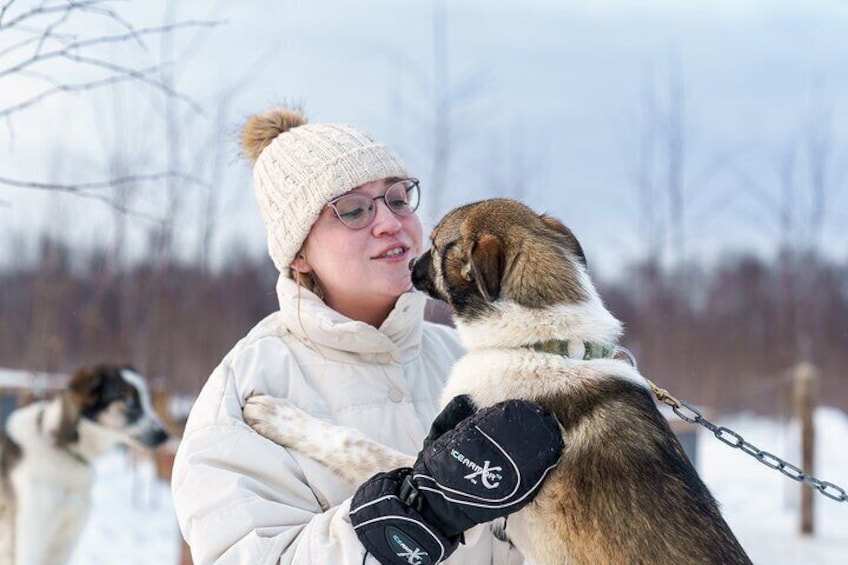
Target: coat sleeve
[
  {"x": 240, "y": 498},
  {"x": 240, "y": 510}
]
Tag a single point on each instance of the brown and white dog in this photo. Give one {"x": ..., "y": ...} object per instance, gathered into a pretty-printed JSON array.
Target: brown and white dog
[
  {"x": 46, "y": 454},
  {"x": 536, "y": 329}
]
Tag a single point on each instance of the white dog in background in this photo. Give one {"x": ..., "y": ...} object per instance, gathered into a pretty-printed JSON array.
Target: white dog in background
[{"x": 45, "y": 455}]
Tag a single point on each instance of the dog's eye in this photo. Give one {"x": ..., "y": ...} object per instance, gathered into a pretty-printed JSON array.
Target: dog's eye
[{"x": 131, "y": 402}]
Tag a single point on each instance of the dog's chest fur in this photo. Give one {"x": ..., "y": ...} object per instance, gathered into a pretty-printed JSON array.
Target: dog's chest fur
[
  {"x": 490, "y": 376},
  {"x": 34, "y": 429}
]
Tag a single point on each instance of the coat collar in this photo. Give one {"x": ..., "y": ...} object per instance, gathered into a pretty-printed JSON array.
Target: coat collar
[{"x": 306, "y": 318}]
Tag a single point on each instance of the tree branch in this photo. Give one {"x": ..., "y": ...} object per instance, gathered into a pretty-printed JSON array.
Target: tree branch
[
  {"x": 8, "y": 111},
  {"x": 121, "y": 70},
  {"x": 48, "y": 31},
  {"x": 118, "y": 207},
  {"x": 84, "y": 188},
  {"x": 41, "y": 10},
  {"x": 4, "y": 9},
  {"x": 76, "y": 45}
]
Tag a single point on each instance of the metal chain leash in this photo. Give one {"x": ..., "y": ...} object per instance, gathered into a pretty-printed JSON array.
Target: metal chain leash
[
  {"x": 733, "y": 439},
  {"x": 691, "y": 414}
]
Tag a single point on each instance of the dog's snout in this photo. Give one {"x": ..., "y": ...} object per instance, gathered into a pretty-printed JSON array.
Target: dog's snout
[
  {"x": 422, "y": 274},
  {"x": 418, "y": 263},
  {"x": 160, "y": 436},
  {"x": 152, "y": 436},
  {"x": 418, "y": 269}
]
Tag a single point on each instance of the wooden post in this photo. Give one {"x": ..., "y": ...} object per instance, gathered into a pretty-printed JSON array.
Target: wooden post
[
  {"x": 160, "y": 403},
  {"x": 185, "y": 556},
  {"x": 166, "y": 453},
  {"x": 805, "y": 389}
]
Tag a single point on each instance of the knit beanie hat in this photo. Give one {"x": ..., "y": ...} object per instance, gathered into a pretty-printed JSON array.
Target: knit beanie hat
[{"x": 299, "y": 167}]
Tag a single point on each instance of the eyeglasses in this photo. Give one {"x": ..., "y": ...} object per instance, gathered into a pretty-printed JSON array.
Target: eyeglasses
[{"x": 357, "y": 211}]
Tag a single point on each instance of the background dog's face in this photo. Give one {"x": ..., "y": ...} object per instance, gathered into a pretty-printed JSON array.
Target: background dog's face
[
  {"x": 116, "y": 398},
  {"x": 500, "y": 249}
]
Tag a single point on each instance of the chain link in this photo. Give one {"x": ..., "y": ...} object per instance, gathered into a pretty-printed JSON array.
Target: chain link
[{"x": 689, "y": 413}]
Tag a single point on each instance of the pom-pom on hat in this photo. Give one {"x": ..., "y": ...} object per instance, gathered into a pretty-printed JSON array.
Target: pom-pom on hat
[{"x": 299, "y": 167}]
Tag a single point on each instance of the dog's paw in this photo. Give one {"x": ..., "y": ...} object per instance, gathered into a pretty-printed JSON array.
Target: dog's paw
[{"x": 275, "y": 418}]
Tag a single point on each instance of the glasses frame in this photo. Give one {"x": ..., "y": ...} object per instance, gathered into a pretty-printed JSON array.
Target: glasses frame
[{"x": 373, "y": 209}]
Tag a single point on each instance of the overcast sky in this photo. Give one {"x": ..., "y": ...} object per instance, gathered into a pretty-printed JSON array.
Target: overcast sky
[{"x": 554, "y": 102}]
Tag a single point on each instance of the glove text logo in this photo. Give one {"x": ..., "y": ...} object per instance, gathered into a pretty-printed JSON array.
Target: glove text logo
[
  {"x": 402, "y": 546},
  {"x": 487, "y": 474}
]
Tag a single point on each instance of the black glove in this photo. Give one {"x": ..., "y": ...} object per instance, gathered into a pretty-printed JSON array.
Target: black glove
[
  {"x": 489, "y": 465},
  {"x": 391, "y": 530}
]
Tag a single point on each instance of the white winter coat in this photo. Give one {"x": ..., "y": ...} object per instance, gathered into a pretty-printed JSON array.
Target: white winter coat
[{"x": 240, "y": 498}]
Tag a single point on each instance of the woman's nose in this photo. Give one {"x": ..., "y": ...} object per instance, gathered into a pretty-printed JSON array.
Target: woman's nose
[{"x": 385, "y": 221}]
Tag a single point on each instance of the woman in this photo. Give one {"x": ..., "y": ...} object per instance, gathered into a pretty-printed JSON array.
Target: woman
[{"x": 348, "y": 345}]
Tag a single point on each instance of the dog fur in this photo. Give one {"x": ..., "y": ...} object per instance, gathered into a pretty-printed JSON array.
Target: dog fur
[
  {"x": 624, "y": 490},
  {"x": 45, "y": 459}
]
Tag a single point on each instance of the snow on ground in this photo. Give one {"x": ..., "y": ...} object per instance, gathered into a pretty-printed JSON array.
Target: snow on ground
[
  {"x": 133, "y": 521},
  {"x": 761, "y": 505}
]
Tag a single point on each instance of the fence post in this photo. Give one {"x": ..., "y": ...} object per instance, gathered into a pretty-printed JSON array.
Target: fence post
[
  {"x": 165, "y": 454},
  {"x": 805, "y": 388}
]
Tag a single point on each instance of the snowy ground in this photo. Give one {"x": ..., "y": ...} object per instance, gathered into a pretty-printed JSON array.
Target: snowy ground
[
  {"x": 761, "y": 505},
  {"x": 133, "y": 520}
]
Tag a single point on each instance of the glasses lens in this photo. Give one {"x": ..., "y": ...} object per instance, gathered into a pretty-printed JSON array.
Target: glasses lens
[
  {"x": 402, "y": 197},
  {"x": 355, "y": 210}
]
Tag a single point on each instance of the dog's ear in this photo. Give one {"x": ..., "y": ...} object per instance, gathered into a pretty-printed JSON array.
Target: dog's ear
[
  {"x": 77, "y": 397},
  {"x": 66, "y": 432},
  {"x": 486, "y": 265},
  {"x": 85, "y": 386},
  {"x": 571, "y": 241}
]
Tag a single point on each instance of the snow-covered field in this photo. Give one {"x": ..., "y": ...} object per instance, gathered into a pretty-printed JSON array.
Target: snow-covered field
[
  {"x": 761, "y": 505},
  {"x": 133, "y": 520}
]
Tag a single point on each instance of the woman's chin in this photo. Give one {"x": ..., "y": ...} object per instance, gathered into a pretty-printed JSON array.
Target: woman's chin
[
  {"x": 400, "y": 284},
  {"x": 398, "y": 291}
]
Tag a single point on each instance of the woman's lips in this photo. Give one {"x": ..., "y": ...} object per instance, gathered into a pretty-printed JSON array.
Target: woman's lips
[{"x": 395, "y": 253}]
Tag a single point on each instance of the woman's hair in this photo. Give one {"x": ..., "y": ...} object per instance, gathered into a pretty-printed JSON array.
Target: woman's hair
[{"x": 309, "y": 280}]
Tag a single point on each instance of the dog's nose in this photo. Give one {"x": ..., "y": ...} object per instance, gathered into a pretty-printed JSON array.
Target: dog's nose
[
  {"x": 412, "y": 262},
  {"x": 159, "y": 437},
  {"x": 153, "y": 436}
]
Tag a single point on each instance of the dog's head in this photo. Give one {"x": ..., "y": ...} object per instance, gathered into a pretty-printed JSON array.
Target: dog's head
[
  {"x": 500, "y": 249},
  {"x": 116, "y": 400},
  {"x": 513, "y": 277}
]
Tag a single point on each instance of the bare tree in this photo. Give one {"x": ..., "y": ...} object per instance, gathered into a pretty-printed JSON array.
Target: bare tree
[
  {"x": 209, "y": 164},
  {"x": 807, "y": 175},
  {"x": 665, "y": 184},
  {"x": 42, "y": 47},
  {"x": 447, "y": 98},
  {"x": 674, "y": 131},
  {"x": 443, "y": 108},
  {"x": 675, "y": 188},
  {"x": 824, "y": 172},
  {"x": 114, "y": 56},
  {"x": 651, "y": 219}
]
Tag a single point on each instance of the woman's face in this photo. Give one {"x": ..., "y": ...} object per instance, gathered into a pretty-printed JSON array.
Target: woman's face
[{"x": 363, "y": 272}]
